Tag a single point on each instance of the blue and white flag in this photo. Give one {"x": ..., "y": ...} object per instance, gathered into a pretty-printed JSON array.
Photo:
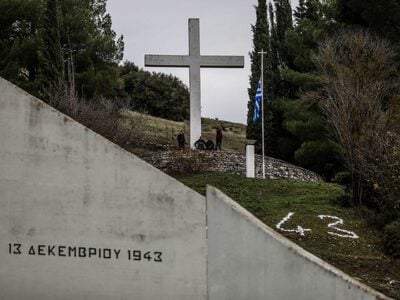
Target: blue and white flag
[{"x": 257, "y": 102}]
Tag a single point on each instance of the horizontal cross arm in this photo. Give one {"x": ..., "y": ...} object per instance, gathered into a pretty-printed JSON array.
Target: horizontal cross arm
[
  {"x": 166, "y": 61},
  {"x": 222, "y": 61}
]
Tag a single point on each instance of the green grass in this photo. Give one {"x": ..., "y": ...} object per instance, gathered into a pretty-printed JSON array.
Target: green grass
[{"x": 271, "y": 200}]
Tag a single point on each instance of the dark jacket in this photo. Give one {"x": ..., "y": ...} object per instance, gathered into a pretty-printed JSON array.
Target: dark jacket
[
  {"x": 219, "y": 136},
  {"x": 181, "y": 138}
]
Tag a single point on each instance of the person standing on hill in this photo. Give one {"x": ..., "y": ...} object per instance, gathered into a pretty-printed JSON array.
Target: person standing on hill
[
  {"x": 181, "y": 140},
  {"x": 218, "y": 139}
]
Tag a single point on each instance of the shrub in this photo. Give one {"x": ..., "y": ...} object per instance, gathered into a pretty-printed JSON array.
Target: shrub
[
  {"x": 391, "y": 239},
  {"x": 342, "y": 178},
  {"x": 343, "y": 200}
]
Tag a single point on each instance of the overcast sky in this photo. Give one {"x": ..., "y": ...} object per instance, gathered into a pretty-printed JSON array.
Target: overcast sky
[{"x": 161, "y": 27}]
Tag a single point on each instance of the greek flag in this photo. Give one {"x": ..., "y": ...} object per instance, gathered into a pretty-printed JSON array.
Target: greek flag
[{"x": 257, "y": 102}]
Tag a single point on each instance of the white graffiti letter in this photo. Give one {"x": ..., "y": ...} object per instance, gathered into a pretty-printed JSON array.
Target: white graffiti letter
[
  {"x": 300, "y": 230},
  {"x": 348, "y": 234}
]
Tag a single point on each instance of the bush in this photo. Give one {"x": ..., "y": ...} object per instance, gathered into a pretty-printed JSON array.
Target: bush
[
  {"x": 344, "y": 200},
  {"x": 342, "y": 178},
  {"x": 391, "y": 239},
  {"x": 385, "y": 204}
]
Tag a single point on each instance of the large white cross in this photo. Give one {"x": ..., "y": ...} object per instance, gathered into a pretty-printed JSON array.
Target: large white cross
[{"x": 194, "y": 61}]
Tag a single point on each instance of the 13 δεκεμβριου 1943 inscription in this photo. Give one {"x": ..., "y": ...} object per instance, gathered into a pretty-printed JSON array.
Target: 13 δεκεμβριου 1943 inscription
[{"x": 84, "y": 252}]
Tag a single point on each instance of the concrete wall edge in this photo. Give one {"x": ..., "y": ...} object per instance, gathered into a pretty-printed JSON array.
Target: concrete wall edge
[{"x": 297, "y": 250}]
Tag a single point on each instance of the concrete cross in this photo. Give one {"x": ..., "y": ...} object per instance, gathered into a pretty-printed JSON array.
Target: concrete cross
[{"x": 194, "y": 61}]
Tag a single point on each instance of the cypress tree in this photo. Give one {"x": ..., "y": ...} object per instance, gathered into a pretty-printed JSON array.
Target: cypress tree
[
  {"x": 300, "y": 11},
  {"x": 307, "y": 9},
  {"x": 51, "y": 51},
  {"x": 261, "y": 41},
  {"x": 269, "y": 34},
  {"x": 284, "y": 21},
  {"x": 274, "y": 39},
  {"x": 313, "y": 10},
  {"x": 279, "y": 142}
]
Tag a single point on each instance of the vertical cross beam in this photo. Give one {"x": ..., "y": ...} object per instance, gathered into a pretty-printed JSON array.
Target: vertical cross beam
[{"x": 194, "y": 81}]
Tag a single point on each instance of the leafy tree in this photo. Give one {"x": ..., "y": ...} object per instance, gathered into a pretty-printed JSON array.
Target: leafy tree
[
  {"x": 358, "y": 72},
  {"x": 38, "y": 38},
  {"x": 314, "y": 151},
  {"x": 157, "y": 94},
  {"x": 87, "y": 37},
  {"x": 305, "y": 120},
  {"x": 19, "y": 41}
]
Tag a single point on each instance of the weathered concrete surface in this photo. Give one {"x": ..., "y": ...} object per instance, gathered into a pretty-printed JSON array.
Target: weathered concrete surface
[
  {"x": 62, "y": 185},
  {"x": 248, "y": 260},
  {"x": 194, "y": 61}
]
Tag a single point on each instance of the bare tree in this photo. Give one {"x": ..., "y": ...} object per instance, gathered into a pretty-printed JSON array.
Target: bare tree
[{"x": 359, "y": 84}]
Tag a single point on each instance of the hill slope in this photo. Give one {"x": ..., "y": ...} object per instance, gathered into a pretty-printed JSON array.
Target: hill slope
[
  {"x": 272, "y": 200},
  {"x": 146, "y": 133}
]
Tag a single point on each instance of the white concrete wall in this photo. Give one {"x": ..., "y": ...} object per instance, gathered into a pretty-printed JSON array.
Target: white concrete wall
[
  {"x": 63, "y": 185},
  {"x": 248, "y": 260}
]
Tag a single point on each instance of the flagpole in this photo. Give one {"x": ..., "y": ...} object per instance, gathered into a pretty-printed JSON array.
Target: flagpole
[{"x": 262, "y": 111}]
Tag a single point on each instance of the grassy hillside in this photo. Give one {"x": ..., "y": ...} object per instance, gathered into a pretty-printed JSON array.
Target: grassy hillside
[
  {"x": 146, "y": 133},
  {"x": 272, "y": 200}
]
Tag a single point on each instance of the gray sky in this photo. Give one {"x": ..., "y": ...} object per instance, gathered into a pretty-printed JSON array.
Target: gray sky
[{"x": 161, "y": 27}]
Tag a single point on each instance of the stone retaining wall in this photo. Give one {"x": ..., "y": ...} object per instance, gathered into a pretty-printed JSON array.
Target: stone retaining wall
[{"x": 226, "y": 162}]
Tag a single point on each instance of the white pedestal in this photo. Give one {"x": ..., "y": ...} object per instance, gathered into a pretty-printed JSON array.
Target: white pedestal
[{"x": 250, "y": 165}]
